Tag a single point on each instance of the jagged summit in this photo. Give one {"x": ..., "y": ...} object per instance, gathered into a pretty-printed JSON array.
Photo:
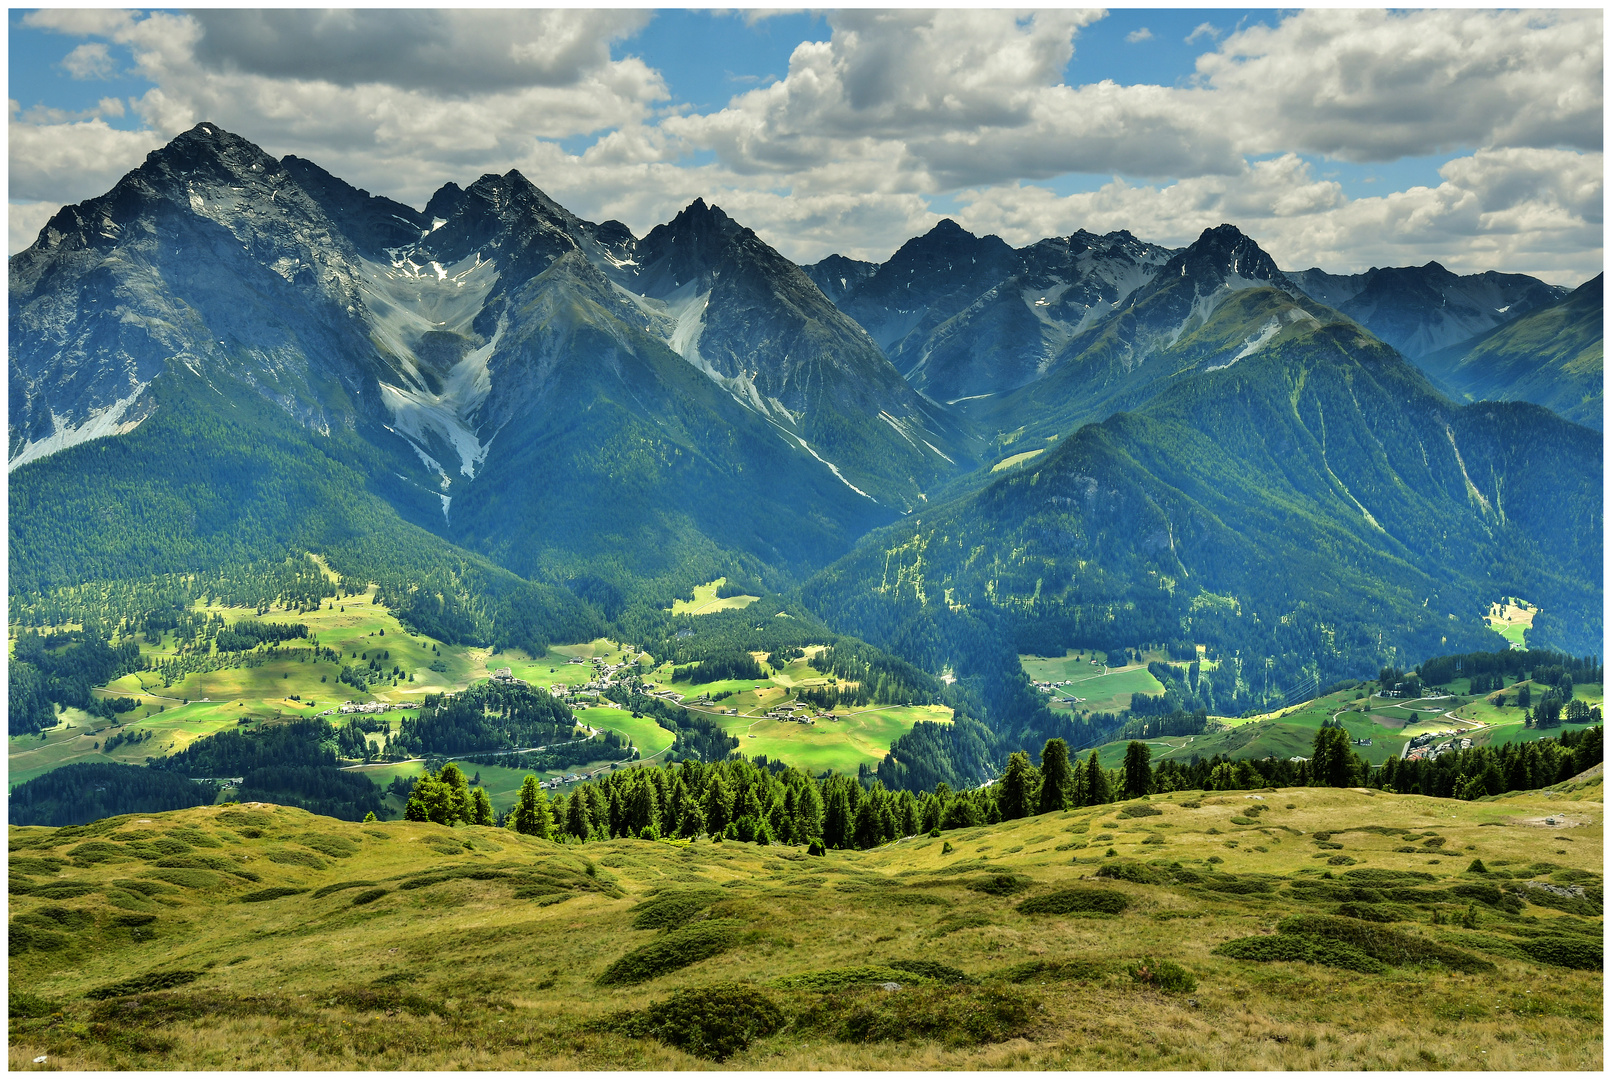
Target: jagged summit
[{"x": 1225, "y": 255}]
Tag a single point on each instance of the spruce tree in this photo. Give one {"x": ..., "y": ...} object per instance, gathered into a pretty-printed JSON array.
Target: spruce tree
[
  {"x": 1057, "y": 779},
  {"x": 1015, "y": 789},
  {"x": 1138, "y": 772},
  {"x": 1096, "y": 782},
  {"x": 481, "y": 807},
  {"x": 718, "y": 810},
  {"x": 866, "y": 833},
  {"x": 531, "y": 815}
]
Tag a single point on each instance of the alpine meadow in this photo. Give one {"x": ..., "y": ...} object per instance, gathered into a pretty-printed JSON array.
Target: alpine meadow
[{"x": 645, "y": 540}]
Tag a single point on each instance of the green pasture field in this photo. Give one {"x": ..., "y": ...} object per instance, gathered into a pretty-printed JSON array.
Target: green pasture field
[
  {"x": 555, "y": 667},
  {"x": 1103, "y": 693},
  {"x": 842, "y": 745},
  {"x": 1009, "y": 462},
  {"x": 648, "y": 736},
  {"x": 706, "y": 600},
  {"x": 204, "y": 703},
  {"x": 1510, "y": 620}
]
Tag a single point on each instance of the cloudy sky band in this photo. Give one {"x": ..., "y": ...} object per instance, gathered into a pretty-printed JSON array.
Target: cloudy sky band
[{"x": 1342, "y": 139}]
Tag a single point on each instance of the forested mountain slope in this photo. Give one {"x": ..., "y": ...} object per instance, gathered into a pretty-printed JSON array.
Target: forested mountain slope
[{"x": 1295, "y": 503}]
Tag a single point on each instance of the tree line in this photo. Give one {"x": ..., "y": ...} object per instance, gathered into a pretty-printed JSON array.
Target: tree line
[{"x": 61, "y": 669}]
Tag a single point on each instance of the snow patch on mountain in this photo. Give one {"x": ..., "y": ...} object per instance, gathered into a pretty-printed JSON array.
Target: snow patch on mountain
[
  {"x": 835, "y": 469},
  {"x": 417, "y": 412},
  {"x": 1253, "y": 344},
  {"x": 100, "y": 424}
]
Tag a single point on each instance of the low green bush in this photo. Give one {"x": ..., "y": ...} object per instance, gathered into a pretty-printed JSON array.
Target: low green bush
[
  {"x": 713, "y": 1022},
  {"x": 1076, "y": 901},
  {"x": 93, "y": 852},
  {"x": 1054, "y": 971},
  {"x": 1140, "y": 809},
  {"x": 337, "y": 847},
  {"x": 1125, "y": 870},
  {"x": 672, "y": 908},
  {"x": 955, "y": 1014},
  {"x": 369, "y": 896},
  {"x": 22, "y": 938},
  {"x": 672, "y": 951},
  {"x": 1301, "y": 948},
  {"x": 26, "y": 1006},
  {"x": 953, "y": 923},
  {"x": 28, "y": 864},
  {"x": 1390, "y": 946},
  {"x": 1373, "y": 912},
  {"x": 1380, "y": 878},
  {"x": 296, "y": 857},
  {"x": 189, "y": 879},
  {"x": 144, "y": 984},
  {"x": 830, "y": 979},
  {"x": 247, "y": 817},
  {"x": 1567, "y": 952},
  {"x": 930, "y": 969},
  {"x": 65, "y": 890},
  {"x": 54, "y": 917},
  {"x": 1239, "y": 884},
  {"x": 1000, "y": 884},
  {"x": 340, "y": 886},
  {"x": 273, "y": 892},
  {"x": 1164, "y": 975}
]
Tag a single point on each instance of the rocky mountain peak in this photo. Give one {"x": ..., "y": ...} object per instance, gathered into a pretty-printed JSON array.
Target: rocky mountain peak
[{"x": 1224, "y": 255}]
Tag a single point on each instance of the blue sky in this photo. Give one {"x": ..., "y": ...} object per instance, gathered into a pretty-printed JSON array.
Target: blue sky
[{"x": 1336, "y": 138}]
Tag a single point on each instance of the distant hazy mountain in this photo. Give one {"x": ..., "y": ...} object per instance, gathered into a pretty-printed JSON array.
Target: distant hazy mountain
[
  {"x": 1422, "y": 309},
  {"x": 1551, "y": 357},
  {"x": 1210, "y": 304}
]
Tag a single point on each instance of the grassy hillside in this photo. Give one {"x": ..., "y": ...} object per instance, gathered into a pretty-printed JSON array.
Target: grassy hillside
[{"x": 264, "y": 937}]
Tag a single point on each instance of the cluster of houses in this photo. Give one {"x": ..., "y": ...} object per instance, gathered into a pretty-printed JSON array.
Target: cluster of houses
[
  {"x": 797, "y": 712},
  {"x": 1425, "y": 747},
  {"x": 603, "y": 679},
  {"x": 1052, "y": 687},
  {"x": 369, "y": 707}
]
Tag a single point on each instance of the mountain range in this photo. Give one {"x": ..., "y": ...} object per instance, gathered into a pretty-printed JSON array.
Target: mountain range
[{"x": 1092, "y": 438}]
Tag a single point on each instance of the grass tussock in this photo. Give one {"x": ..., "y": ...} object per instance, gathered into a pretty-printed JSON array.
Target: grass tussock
[{"x": 673, "y": 951}]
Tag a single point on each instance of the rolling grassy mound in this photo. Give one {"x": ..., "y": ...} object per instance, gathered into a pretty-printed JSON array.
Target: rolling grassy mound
[{"x": 1296, "y": 928}]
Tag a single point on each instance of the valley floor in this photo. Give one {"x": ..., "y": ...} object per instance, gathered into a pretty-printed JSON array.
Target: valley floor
[{"x": 262, "y": 937}]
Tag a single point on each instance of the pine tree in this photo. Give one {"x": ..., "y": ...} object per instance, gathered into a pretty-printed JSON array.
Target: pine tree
[
  {"x": 718, "y": 810},
  {"x": 576, "y": 816},
  {"x": 837, "y": 820},
  {"x": 1015, "y": 790},
  {"x": 481, "y": 807},
  {"x": 452, "y": 778},
  {"x": 1096, "y": 782},
  {"x": 1138, "y": 773},
  {"x": 866, "y": 833},
  {"x": 1331, "y": 760},
  {"x": 1057, "y": 779},
  {"x": 531, "y": 815}
]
